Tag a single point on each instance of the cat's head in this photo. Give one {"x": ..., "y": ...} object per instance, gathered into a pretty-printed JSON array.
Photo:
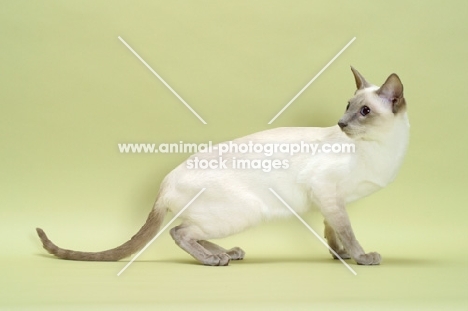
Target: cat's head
[{"x": 373, "y": 111}]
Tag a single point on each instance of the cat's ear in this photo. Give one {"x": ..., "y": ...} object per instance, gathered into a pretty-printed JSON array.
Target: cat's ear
[
  {"x": 361, "y": 83},
  {"x": 392, "y": 90}
]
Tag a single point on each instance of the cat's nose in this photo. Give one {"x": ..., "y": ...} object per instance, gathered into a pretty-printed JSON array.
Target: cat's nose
[{"x": 342, "y": 124}]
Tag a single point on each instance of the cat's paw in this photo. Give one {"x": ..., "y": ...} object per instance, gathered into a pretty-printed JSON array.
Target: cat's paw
[
  {"x": 236, "y": 253},
  {"x": 372, "y": 258},
  {"x": 342, "y": 253},
  {"x": 221, "y": 259}
]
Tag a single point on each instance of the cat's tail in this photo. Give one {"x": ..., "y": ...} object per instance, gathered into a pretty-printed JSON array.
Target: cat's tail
[{"x": 137, "y": 242}]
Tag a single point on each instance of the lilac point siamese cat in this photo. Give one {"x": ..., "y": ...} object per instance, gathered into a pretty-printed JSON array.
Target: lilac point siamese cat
[{"x": 375, "y": 121}]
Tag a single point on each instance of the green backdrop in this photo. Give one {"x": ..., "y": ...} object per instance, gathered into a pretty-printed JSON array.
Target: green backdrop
[{"x": 71, "y": 91}]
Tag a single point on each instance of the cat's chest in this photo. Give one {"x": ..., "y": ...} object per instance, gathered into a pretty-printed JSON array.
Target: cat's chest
[
  {"x": 371, "y": 173},
  {"x": 355, "y": 189}
]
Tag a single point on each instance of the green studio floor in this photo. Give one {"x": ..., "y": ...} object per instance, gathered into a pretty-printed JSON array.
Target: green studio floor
[
  {"x": 71, "y": 91},
  {"x": 294, "y": 270}
]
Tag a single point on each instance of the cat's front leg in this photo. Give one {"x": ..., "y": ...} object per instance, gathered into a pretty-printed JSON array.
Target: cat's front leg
[
  {"x": 337, "y": 218},
  {"x": 335, "y": 243}
]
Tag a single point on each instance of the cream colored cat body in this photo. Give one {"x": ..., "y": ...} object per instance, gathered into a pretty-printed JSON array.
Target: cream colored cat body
[{"x": 375, "y": 122}]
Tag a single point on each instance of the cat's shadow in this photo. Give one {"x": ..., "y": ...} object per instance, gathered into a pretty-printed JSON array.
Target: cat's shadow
[
  {"x": 253, "y": 261},
  {"x": 387, "y": 261},
  {"x": 409, "y": 261}
]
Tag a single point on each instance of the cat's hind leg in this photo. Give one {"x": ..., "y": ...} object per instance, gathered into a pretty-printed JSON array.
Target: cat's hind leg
[
  {"x": 334, "y": 242},
  {"x": 236, "y": 253},
  {"x": 187, "y": 238}
]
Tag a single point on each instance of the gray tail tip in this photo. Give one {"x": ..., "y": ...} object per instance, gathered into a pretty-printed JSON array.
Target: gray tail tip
[{"x": 41, "y": 234}]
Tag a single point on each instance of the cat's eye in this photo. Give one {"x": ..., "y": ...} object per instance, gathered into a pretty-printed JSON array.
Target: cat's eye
[
  {"x": 347, "y": 107},
  {"x": 365, "y": 110}
]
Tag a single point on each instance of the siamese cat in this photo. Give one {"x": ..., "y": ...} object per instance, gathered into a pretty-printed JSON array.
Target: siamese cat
[{"x": 375, "y": 122}]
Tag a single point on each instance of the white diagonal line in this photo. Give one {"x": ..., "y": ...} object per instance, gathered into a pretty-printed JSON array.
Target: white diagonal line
[
  {"x": 313, "y": 79},
  {"x": 160, "y": 231},
  {"x": 313, "y": 231},
  {"x": 162, "y": 80}
]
